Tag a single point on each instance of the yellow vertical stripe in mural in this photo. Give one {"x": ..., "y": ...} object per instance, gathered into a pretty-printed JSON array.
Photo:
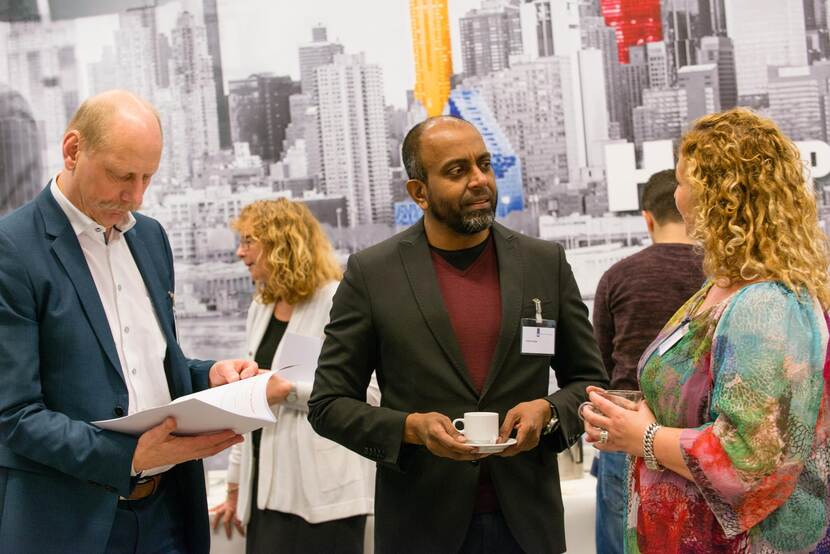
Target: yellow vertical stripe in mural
[{"x": 433, "y": 53}]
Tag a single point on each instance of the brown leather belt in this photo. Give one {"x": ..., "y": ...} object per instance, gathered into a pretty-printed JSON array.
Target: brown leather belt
[{"x": 146, "y": 486}]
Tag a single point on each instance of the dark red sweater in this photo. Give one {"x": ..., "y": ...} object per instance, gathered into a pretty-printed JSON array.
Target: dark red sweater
[
  {"x": 472, "y": 298},
  {"x": 635, "y": 298},
  {"x": 473, "y": 301}
]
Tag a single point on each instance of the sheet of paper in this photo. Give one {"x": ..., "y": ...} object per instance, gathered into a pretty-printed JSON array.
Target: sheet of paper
[
  {"x": 297, "y": 360},
  {"x": 241, "y": 406}
]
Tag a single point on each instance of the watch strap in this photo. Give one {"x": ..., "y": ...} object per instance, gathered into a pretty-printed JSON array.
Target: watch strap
[{"x": 553, "y": 423}]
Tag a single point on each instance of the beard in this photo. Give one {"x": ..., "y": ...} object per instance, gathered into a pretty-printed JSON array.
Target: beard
[{"x": 463, "y": 222}]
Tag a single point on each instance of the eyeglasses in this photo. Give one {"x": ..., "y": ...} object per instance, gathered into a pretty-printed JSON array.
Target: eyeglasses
[{"x": 246, "y": 242}]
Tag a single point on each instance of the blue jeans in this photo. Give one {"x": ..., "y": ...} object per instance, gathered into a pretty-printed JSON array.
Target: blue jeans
[{"x": 610, "y": 517}]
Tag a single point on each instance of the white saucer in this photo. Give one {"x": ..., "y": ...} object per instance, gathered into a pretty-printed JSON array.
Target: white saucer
[{"x": 494, "y": 448}]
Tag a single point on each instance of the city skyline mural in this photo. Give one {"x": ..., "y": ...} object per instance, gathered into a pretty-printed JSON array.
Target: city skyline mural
[{"x": 579, "y": 102}]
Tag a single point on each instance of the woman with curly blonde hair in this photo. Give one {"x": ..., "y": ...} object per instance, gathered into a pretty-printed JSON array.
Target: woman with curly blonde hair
[
  {"x": 730, "y": 448},
  {"x": 294, "y": 490}
]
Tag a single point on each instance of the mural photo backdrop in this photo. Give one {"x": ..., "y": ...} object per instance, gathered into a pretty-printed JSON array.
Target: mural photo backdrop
[{"x": 578, "y": 100}]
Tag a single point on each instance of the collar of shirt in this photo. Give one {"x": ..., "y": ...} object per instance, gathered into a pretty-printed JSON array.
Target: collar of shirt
[{"x": 82, "y": 223}]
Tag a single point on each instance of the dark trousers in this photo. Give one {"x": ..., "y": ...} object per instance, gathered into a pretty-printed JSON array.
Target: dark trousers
[
  {"x": 488, "y": 533},
  {"x": 152, "y": 525},
  {"x": 271, "y": 532}
]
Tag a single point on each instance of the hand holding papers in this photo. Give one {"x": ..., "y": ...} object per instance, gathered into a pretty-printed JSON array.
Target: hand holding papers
[{"x": 241, "y": 406}]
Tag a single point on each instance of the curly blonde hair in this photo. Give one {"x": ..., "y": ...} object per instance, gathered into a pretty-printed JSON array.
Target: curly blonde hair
[
  {"x": 297, "y": 253},
  {"x": 754, "y": 214}
]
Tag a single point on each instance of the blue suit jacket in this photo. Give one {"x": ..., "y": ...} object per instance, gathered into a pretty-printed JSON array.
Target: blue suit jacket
[{"x": 60, "y": 477}]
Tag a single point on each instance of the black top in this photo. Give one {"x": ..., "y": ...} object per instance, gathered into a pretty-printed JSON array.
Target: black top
[
  {"x": 462, "y": 259},
  {"x": 264, "y": 357}
]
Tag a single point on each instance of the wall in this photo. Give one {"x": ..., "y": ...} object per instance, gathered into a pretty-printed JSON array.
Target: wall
[{"x": 260, "y": 100}]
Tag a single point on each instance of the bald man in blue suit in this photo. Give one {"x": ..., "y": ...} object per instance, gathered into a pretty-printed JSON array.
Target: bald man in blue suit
[{"x": 87, "y": 333}]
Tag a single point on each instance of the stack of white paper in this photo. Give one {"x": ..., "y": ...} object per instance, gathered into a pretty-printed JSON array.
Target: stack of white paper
[{"x": 241, "y": 406}]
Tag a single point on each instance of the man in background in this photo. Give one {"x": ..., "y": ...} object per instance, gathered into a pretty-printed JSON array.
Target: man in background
[{"x": 633, "y": 301}]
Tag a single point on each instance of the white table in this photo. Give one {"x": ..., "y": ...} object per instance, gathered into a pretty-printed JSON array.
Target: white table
[
  {"x": 579, "y": 500},
  {"x": 579, "y": 497}
]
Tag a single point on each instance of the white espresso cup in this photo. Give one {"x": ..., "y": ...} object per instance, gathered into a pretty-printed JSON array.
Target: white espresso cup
[{"x": 479, "y": 427}]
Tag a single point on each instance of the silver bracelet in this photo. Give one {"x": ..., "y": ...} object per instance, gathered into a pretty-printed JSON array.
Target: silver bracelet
[{"x": 648, "y": 447}]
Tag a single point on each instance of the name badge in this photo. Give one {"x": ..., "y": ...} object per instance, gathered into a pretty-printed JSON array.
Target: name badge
[
  {"x": 539, "y": 340},
  {"x": 673, "y": 339},
  {"x": 538, "y": 334}
]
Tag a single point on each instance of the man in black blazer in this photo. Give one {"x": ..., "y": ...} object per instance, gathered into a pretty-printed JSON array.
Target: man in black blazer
[{"x": 418, "y": 309}]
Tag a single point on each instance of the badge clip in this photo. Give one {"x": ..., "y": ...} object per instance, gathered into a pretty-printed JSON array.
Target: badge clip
[{"x": 538, "y": 304}]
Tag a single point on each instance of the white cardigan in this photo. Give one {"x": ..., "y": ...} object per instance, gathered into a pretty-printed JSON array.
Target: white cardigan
[{"x": 301, "y": 472}]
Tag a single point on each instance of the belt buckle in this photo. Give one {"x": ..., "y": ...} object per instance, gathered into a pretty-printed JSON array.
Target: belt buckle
[{"x": 144, "y": 488}]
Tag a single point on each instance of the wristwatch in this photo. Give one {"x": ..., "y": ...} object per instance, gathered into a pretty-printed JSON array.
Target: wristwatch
[
  {"x": 554, "y": 420},
  {"x": 292, "y": 394}
]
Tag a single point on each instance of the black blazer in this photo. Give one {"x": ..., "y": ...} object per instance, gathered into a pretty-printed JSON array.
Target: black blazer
[{"x": 388, "y": 316}]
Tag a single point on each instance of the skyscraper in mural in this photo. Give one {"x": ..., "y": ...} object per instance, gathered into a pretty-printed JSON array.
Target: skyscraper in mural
[
  {"x": 719, "y": 50},
  {"x": 702, "y": 89},
  {"x": 468, "y": 104},
  {"x": 531, "y": 102},
  {"x": 21, "y": 169},
  {"x": 765, "y": 33},
  {"x": 136, "y": 43},
  {"x": 317, "y": 53},
  {"x": 433, "y": 53},
  {"x": 798, "y": 100},
  {"x": 260, "y": 112},
  {"x": 634, "y": 21},
  {"x": 560, "y": 25},
  {"x": 597, "y": 34},
  {"x": 488, "y": 38},
  {"x": 42, "y": 66},
  {"x": 19, "y": 10},
  {"x": 191, "y": 78},
  {"x": 353, "y": 138},
  {"x": 211, "y": 18}
]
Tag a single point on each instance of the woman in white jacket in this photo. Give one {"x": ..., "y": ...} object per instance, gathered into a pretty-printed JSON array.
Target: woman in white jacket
[{"x": 292, "y": 490}]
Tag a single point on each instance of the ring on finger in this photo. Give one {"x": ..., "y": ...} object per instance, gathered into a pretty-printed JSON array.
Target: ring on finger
[{"x": 603, "y": 436}]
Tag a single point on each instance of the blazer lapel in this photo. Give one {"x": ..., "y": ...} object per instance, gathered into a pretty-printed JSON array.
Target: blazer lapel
[
  {"x": 417, "y": 263},
  {"x": 161, "y": 299},
  {"x": 511, "y": 283},
  {"x": 68, "y": 251}
]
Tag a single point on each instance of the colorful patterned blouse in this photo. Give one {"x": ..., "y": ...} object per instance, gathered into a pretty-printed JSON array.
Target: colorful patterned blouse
[{"x": 747, "y": 384}]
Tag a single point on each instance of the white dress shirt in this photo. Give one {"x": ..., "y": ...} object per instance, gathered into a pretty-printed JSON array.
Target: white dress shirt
[{"x": 139, "y": 341}]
